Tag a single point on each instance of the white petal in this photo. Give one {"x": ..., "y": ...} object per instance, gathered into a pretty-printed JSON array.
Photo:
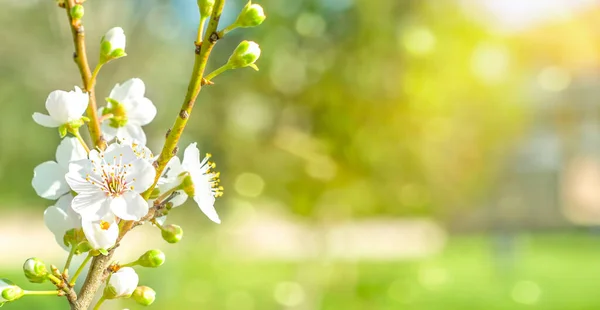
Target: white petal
[
  {"x": 171, "y": 172},
  {"x": 57, "y": 106},
  {"x": 64, "y": 203},
  {"x": 78, "y": 170},
  {"x": 133, "y": 133},
  {"x": 109, "y": 131},
  {"x": 143, "y": 174},
  {"x": 49, "y": 180},
  {"x": 98, "y": 237},
  {"x": 132, "y": 88},
  {"x": 130, "y": 206},
  {"x": 206, "y": 204},
  {"x": 141, "y": 111},
  {"x": 57, "y": 220},
  {"x": 120, "y": 153},
  {"x": 91, "y": 207},
  {"x": 45, "y": 120},
  {"x": 191, "y": 158},
  {"x": 77, "y": 104},
  {"x": 69, "y": 150}
]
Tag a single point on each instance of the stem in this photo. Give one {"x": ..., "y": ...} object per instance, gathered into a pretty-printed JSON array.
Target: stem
[
  {"x": 71, "y": 253},
  {"x": 194, "y": 87},
  {"x": 95, "y": 75},
  {"x": 200, "y": 30},
  {"x": 105, "y": 117},
  {"x": 80, "y": 269},
  {"x": 222, "y": 69},
  {"x": 41, "y": 293},
  {"x": 100, "y": 302},
  {"x": 78, "y": 136},
  {"x": 54, "y": 279},
  {"x": 227, "y": 30},
  {"x": 134, "y": 263},
  {"x": 80, "y": 57}
]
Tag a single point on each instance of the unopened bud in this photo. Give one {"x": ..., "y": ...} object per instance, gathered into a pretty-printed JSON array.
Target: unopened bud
[
  {"x": 172, "y": 233},
  {"x": 77, "y": 11},
  {"x": 112, "y": 45},
  {"x": 121, "y": 284},
  {"x": 144, "y": 295},
  {"x": 206, "y": 7},
  {"x": 9, "y": 291},
  {"x": 35, "y": 270},
  {"x": 251, "y": 15},
  {"x": 152, "y": 259},
  {"x": 245, "y": 55}
]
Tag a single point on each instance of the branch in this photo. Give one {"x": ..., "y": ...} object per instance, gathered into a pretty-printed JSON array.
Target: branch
[{"x": 80, "y": 57}]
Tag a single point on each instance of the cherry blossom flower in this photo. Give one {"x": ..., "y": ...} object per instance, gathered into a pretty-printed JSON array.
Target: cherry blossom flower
[
  {"x": 63, "y": 108},
  {"x": 122, "y": 283},
  {"x": 130, "y": 111},
  {"x": 102, "y": 234},
  {"x": 111, "y": 182}
]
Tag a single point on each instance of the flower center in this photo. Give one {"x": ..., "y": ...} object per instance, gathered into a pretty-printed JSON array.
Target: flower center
[
  {"x": 112, "y": 176},
  {"x": 119, "y": 118},
  {"x": 213, "y": 176}
]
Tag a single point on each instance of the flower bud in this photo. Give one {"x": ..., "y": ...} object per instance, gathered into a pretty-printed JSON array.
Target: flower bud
[
  {"x": 245, "y": 55},
  {"x": 77, "y": 11},
  {"x": 144, "y": 295},
  {"x": 112, "y": 45},
  {"x": 121, "y": 284},
  {"x": 9, "y": 291},
  {"x": 206, "y": 7},
  {"x": 251, "y": 15},
  {"x": 35, "y": 270},
  {"x": 172, "y": 233},
  {"x": 152, "y": 259}
]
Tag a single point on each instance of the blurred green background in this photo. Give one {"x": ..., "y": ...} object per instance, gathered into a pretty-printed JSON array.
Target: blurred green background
[{"x": 389, "y": 154}]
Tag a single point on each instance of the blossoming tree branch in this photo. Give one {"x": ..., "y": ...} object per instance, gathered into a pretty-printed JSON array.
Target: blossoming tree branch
[{"x": 103, "y": 190}]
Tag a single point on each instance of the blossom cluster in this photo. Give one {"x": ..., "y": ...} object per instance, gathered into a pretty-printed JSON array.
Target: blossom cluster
[
  {"x": 104, "y": 189},
  {"x": 95, "y": 191}
]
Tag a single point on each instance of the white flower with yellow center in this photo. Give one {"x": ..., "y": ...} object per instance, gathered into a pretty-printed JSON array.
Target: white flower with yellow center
[
  {"x": 199, "y": 181},
  {"x": 101, "y": 235},
  {"x": 111, "y": 182},
  {"x": 130, "y": 110}
]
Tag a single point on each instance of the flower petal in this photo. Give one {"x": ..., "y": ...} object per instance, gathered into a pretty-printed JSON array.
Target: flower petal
[
  {"x": 109, "y": 131},
  {"x": 141, "y": 111},
  {"x": 45, "y": 120},
  {"x": 191, "y": 158},
  {"x": 98, "y": 237},
  {"x": 132, "y": 88},
  {"x": 64, "y": 203},
  {"x": 171, "y": 171},
  {"x": 91, "y": 207},
  {"x": 57, "y": 106},
  {"x": 76, "y": 177},
  {"x": 130, "y": 206},
  {"x": 142, "y": 177},
  {"x": 133, "y": 133},
  {"x": 69, "y": 150},
  {"x": 206, "y": 202},
  {"x": 49, "y": 180}
]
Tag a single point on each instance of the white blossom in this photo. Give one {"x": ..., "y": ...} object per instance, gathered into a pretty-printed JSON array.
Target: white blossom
[
  {"x": 49, "y": 177},
  {"x": 63, "y": 107},
  {"x": 61, "y": 218},
  {"x": 122, "y": 283},
  {"x": 205, "y": 182},
  {"x": 101, "y": 234},
  {"x": 111, "y": 182},
  {"x": 130, "y": 109}
]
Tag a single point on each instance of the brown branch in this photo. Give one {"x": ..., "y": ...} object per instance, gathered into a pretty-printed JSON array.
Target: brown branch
[{"x": 80, "y": 58}]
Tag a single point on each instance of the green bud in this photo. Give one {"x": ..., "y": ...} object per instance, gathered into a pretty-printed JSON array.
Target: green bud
[
  {"x": 9, "y": 291},
  {"x": 144, "y": 295},
  {"x": 245, "y": 55},
  {"x": 35, "y": 270},
  {"x": 62, "y": 130},
  {"x": 77, "y": 11},
  {"x": 206, "y": 7},
  {"x": 152, "y": 259},
  {"x": 155, "y": 193},
  {"x": 172, "y": 233},
  {"x": 251, "y": 15}
]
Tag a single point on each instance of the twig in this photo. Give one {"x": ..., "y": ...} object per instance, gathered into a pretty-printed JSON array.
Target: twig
[{"x": 80, "y": 58}]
